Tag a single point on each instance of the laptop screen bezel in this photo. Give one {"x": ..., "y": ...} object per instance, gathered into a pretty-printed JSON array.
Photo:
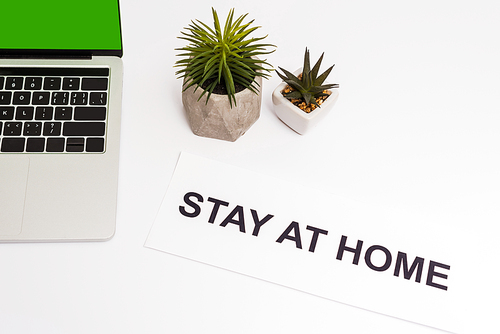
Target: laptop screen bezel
[{"x": 66, "y": 53}]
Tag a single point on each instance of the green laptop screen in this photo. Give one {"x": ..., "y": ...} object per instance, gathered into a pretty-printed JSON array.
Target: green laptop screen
[{"x": 92, "y": 25}]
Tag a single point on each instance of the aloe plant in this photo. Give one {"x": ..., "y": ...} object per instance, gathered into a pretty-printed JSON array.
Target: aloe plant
[
  {"x": 309, "y": 86},
  {"x": 225, "y": 56}
]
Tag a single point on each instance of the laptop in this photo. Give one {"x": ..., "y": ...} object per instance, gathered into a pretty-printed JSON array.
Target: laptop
[{"x": 60, "y": 107}]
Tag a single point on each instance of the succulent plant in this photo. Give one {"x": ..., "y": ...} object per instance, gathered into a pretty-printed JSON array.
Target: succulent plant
[
  {"x": 309, "y": 86},
  {"x": 222, "y": 57}
]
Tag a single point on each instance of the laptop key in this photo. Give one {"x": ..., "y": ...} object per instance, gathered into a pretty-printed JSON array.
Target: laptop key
[
  {"x": 14, "y": 83},
  {"x": 94, "y": 83},
  {"x": 7, "y": 113},
  {"x": 75, "y": 144},
  {"x": 60, "y": 98},
  {"x": 55, "y": 145},
  {"x": 21, "y": 98},
  {"x": 90, "y": 113},
  {"x": 44, "y": 113},
  {"x": 63, "y": 113},
  {"x": 95, "y": 145},
  {"x": 2, "y": 79},
  {"x": 71, "y": 83},
  {"x": 98, "y": 98},
  {"x": 52, "y": 129},
  {"x": 32, "y": 128},
  {"x": 12, "y": 145},
  {"x": 79, "y": 98},
  {"x": 35, "y": 145},
  {"x": 5, "y": 97},
  {"x": 24, "y": 113},
  {"x": 41, "y": 98},
  {"x": 51, "y": 83},
  {"x": 12, "y": 128},
  {"x": 84, "y": 128},
  {"x": 33, "y": 83}
]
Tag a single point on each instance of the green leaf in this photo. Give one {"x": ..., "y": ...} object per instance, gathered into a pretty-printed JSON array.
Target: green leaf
[
  {"x": 315, "y": 70},
  {"x": 240, "y": 72},
  {"x": 306, "y": 80},
  {"x": 293, "y": 95},
  {"x": 322, "y": 77},
  {"x": 317, "y": 90},
  {"x": 209, "y": 89},
  {"x": 221, "y": 66},
  {"x": 289, "y": 75},
  {"x": 243, "y": 33},
  {"x": 229, "y": 20},
  {"x": 209, "y": 75},
  {"x": 207, "y": 32},
  {"x": 307, "y": 66},
  {"x": 211, "y": 63},
  {"x": 307, "y": 97},
  {"x": 216, "y": 25},
  {"x": 241, "y": 66}
]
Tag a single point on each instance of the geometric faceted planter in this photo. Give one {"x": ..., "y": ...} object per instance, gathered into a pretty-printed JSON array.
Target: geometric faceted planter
[
  {"x": 216, "y": 119},
  {"x": 297, "y": 119}
]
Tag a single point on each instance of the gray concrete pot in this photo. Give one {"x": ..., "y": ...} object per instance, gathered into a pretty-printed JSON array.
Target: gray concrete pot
[{"x": 216, "y": 119}]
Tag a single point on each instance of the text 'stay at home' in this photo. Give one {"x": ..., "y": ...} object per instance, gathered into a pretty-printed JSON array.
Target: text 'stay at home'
[{"x": 436, "y": 274}]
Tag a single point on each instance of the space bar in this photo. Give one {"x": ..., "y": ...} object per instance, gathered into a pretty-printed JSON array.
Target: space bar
[{"x": 84, "y": 128}]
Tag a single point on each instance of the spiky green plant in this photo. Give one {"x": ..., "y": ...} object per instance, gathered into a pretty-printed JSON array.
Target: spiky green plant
[
  {"x": 310, "y": 86},
  {"x": 227, "y": 57}
]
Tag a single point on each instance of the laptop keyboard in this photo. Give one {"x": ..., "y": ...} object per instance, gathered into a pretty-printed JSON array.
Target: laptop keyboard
[{"x": 53, "y": 110}]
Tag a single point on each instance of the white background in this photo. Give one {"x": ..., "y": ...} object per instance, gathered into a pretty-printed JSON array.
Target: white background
[{"x": 416, "y": 128}]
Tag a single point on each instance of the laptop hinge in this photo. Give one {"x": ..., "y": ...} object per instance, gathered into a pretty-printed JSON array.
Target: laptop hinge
[
  {"x": 42, "y": 57},
  {"x": 44, "y": 54}
]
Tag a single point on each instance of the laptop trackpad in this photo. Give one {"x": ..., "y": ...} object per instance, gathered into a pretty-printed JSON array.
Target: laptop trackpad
[{"x": 13, "y": 181}]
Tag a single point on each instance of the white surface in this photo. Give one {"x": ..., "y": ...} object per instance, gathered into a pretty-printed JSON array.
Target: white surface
[{"x": 415, "y": 129}]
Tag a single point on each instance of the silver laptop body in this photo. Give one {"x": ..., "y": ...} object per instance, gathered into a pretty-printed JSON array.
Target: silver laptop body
[{"x": 59, "y": 158}]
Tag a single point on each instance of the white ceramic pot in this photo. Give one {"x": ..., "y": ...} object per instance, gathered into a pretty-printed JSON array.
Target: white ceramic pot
[
  {"x": 216, "y": 119},
  {"x": 294, "y": 117}
]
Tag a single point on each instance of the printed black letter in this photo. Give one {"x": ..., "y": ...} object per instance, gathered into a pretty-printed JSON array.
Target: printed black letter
[
  {"x": 295, "y": 227},
  {"x": 418, "y": 264},
  {"x": 217, "y": 204},
  {"x": 314, "y": 239},
  {"x": 432, "y": 273},
  {"x": 356, "y": 251},
  {"x": 258, "y": 223},
  {"x": 195, "y": 206},
  {"x": 388, "y": 258},
  {"x": 241, "y": 221}
]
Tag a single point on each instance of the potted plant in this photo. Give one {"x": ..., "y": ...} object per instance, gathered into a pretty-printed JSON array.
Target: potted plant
[
  {"x": 304, "y": 98},
  {"x": 222, "y": 76}
]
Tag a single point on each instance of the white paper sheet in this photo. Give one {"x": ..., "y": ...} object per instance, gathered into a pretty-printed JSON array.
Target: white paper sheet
[{"x": 291, "y": 235}]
